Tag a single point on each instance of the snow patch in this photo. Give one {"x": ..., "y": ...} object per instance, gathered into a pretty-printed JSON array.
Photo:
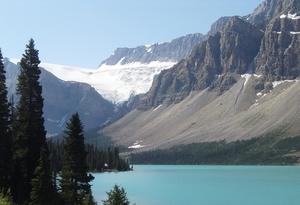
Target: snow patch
[
  {"x": 275, "y": 83},
  {"x": 290, "y": 16},
  {"x": 156, "y": 107},
  {"x": 50, "y": 120},
  {"x": 136, "y": 145},
  {"x": 295, "y": 32},
  {"x": 257, "y": 76},
  {"x": 260, "y": 94},
  {"x": 247, "y": 77},
  {"x": 255, "y": 104},
  {"x": 63, "y": 120}
]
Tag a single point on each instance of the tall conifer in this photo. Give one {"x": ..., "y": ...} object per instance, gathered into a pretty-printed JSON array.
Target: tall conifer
[
  {"x": 75, "y": 180},
  {"x": 116, "y": 196},
  {"x": 30, "y": 134},
  {"x": 5, "y": 136},
  {"x": 43, "y": 189}
]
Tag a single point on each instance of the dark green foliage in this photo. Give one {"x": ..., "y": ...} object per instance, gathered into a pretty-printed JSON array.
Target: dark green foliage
[
  {"x": 265, "y": 150},
  {"x": 43, "y": 190},
  {"x": 96, "y": 158},
  {"x": 89, "y": 200},
  {"x": 26, "y": 175},
  {"x": 28, "y": 127},
  {"x": 56, "y": 150},
  {"x": 4, "y": 199},
  {"x": 5, "y": 135},
  {"x": 75, "y": 181},
  {"x": 117, "y": 196}
]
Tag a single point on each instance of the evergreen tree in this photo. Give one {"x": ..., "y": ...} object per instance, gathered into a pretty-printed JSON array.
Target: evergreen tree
[
  {"x": 117, "y": 196},
  {"x": 89, "y": 200},
  {"x": 74, "y": 181},
  {"x": 29, "y": 130},
  {"x": 5, "y": 135},
  {"x": 43, "y": 190}
]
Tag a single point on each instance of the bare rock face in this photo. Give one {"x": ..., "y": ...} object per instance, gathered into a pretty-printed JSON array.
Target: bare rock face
[
  {"x": 286, "y": 6},
  {"x": 263, "y": 12},
  {"x": 241, "y": 47},
  {"x": 225, "y": 53},
  {"x": 239, "y": 43},
  {"x": 173, "y": 51},
  {"x": 218, "y": 25},
  {"x": 227, "y": 104},
  {"x": 278, "y": 58}
]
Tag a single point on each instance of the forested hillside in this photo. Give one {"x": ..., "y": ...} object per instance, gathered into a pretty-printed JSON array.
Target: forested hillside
[{"x": 34, "y": 170}]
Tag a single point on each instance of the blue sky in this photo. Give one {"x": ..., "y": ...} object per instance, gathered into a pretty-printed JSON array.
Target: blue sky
[{"x": 84, "y": 33}]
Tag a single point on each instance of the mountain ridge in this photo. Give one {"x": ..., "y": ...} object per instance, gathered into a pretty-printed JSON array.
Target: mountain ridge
[
  {"x": 238, "y": 84},
  {"x": 62, "y": 99},
  {"x": 160, "y": 52}
]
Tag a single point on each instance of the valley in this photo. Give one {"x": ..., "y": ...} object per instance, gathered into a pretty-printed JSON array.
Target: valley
[{"x": 238, "y": 82}]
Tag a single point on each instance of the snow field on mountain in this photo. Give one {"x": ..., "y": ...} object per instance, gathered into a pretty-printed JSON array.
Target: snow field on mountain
[{"x": 115, "y": 83}]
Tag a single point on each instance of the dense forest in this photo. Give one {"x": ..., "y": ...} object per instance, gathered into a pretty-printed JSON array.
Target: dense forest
[
  {"x": 33, "y": 170},
  {"x": 265, "y": 150},
  {"x": 97, "y": 160}
]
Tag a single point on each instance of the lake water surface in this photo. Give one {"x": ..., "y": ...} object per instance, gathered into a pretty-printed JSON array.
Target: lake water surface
[{"x": 204, "y": 185}]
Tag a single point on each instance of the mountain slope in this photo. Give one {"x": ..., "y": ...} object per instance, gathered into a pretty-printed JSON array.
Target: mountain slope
[
  {"x": 62, "y": 99},
  {"x": 129, "y": 71},
  {"x": 204, "y": 117},
  {"x": 224, "y": 54},
  {"x": 238, "y": 84}
]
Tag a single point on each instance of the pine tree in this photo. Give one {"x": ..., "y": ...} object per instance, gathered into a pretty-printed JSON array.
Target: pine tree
[
  {"x": 5, "y": 135},
  {"x": 30, "y": 134},
  {"x": 43, "y": 190},
  {"x": 74, "y": 181},
  {"x": 89, "y": 200},
  {"x": 117, "y": 196}
]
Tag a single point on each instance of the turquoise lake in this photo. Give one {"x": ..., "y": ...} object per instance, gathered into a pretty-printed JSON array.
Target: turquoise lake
[{"x": 207, "y": 185}]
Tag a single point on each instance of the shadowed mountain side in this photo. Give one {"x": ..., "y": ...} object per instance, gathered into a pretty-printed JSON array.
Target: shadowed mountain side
[{"x": 62, "y": 99}]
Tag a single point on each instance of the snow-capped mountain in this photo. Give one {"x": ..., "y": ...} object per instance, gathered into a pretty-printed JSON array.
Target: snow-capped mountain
[
  {"x": 63, "y": 98},
  {"x": 116, "y": 83},
  {"x": 240, "y": 83},
  {"x": 129, "y": 71},
  {"x": 92, "y": 92}
]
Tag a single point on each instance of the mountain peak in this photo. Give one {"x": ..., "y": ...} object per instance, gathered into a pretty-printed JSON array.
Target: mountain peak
[{"x": 171, "y": 51}]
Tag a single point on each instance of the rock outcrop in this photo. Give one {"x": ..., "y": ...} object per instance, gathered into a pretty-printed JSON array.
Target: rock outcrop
[
  {"x": 227, "y": 53},
  {"x": 241, "y": 47},
  {"x": 172, "y": 51},
  {"x": 279, "y": 55},
  {"x": 263, "y": 12},
  {"x": 230, "y": 88}
]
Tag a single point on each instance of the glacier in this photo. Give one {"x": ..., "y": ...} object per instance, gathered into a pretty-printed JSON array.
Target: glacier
[{"x": 116, "y": 83}]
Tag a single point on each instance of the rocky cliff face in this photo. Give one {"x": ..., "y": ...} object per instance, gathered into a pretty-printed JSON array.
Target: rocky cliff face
[
  {"x": 278, "y": 58},
  {"x": 225, "y": 54},
  {"x": 263, "y": 12},
  {"x": 173, "y": 51},
  {"x": 218, "y": 25},
  {"x": 241, "y": 47},
  {"x": 238, "y": 84}
]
